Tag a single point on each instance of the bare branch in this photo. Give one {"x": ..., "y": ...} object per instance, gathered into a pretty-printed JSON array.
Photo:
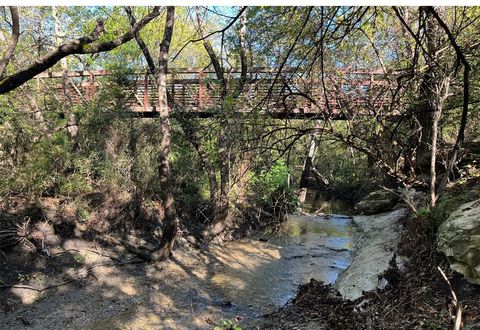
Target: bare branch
[
  {"x": 211, "y": 33},
  {"x": 466, "y": 95},
  {"x": 140, "y": 42}
]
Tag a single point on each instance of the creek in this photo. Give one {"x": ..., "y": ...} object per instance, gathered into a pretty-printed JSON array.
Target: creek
[
  {"x": 197, "y": 288},
  {"x": 260, "y": 275}
]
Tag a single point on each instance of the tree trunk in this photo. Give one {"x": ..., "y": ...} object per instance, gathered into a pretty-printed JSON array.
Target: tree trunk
[
  {"x": 222, "y": 205},
  {"x": 72, "y": 128},
  {"x": 170, "y": 219},
  {"x": 427, "y": 96},
  {"x": 308, "y": 164},
  {"x": 189, "y": 131},
  {"x": 13, "y": 44},
  {"x": 425, "y": 119},
  {"x": 466, "y": 96},
  {"x": 433, "y": 158}
]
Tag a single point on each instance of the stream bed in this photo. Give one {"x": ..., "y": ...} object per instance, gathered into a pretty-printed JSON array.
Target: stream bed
[
  {"x": 259, "y": 276},
  {"x": 196, "y": 288}
]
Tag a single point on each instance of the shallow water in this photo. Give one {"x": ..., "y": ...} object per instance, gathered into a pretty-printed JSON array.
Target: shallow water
[{"x": 258, "y": 277}]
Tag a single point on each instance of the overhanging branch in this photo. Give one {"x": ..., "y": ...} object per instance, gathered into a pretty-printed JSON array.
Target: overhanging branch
[{"x": 84, "y": 45}]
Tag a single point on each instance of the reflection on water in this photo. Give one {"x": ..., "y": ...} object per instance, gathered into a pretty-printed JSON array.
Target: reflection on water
[{"x": 262, "y": 276}]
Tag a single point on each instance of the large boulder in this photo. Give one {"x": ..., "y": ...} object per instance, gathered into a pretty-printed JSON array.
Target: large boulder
[
  {"x": 376, "y": 202},
  {"x": 459, "y": 238},
  {"x": 376, "y": 245}
]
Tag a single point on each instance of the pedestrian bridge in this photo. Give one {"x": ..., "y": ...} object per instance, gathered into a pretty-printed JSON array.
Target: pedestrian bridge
[{"x": 196, "y": 92}]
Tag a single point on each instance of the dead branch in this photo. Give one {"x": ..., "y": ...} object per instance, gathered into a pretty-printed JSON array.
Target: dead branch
[{"x": 456, "y": 304}]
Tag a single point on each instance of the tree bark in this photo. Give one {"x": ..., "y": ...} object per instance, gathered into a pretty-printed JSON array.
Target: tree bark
[
  {"x": 308, "y": 164},
  {"x": 189, "y": 131},
  {"x": 466, "y": 96},
  {"x": 140, "y": 42},
  {"x": 222, "y": 197},
  {"x": 72, "y": 127},
  {"x": 13, "y": 44},
  {"x": 427, "y": 96},
  {"x": 433, "y": 158},
  {"x": 171, "y": 221}
]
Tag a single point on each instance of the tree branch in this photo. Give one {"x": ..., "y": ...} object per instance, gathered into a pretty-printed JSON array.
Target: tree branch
[
  {"x": 140, "y": 42},
  {"x": 466, "y": 95},
  {"x": 13, "y": 44},
  {"x": 83, "y": 45},
  {"x": 211, "y": 33},
  {"x": 243, "y": 55}
]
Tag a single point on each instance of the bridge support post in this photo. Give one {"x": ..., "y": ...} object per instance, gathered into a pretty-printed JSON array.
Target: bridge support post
[{"x": 200, "y": 90}]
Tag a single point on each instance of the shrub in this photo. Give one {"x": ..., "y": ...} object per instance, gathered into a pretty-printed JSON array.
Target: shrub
[{"x": 272, "y": 189}]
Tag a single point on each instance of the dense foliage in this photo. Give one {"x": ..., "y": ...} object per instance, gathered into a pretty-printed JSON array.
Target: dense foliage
[{"x": 52, "y": 144}]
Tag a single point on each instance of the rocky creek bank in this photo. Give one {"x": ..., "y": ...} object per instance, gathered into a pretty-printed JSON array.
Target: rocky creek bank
[{"x": 393, "y": 281}]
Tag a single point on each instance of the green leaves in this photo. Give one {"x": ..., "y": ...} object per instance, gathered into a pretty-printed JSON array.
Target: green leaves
[{"x": 227, "y": 325}]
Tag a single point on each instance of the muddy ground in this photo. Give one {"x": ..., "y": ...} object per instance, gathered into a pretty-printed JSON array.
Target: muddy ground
[{"x": 67, "y": 271}]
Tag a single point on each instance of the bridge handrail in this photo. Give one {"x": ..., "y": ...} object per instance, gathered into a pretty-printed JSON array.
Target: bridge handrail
[{"x": 89, "y": 73}]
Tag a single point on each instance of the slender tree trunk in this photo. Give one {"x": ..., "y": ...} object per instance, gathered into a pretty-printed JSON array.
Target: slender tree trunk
[
  {"x": 72, "y": 128},
  {"x": 171, "y": 221},
  {"x": 427, "y": 96},
  {"x": 221, "y": 206},
  {"x": 466, "y": 96},
  {"x": 13, "y": 44},
  {"x": 425, "y": 119},
  {"x": 307, "y": 167},
  {"x": 442, "y": 93},
  {"x": 221, "y": 209},
  {"x": 308, "y": 164},
  {"x": 433, "y": 159},
  {"x": 170, "y": 218},
  {"x": 189, "y": 131}
]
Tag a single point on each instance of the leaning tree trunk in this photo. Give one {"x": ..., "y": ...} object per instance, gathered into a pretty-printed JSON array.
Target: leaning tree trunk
[
  {"x": 10, "y": 50},
  {"x": 308, "y": 164}
]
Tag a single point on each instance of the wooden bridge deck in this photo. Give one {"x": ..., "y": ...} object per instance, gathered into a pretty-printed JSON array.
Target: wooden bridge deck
[{"x": 195, "y": 92}]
